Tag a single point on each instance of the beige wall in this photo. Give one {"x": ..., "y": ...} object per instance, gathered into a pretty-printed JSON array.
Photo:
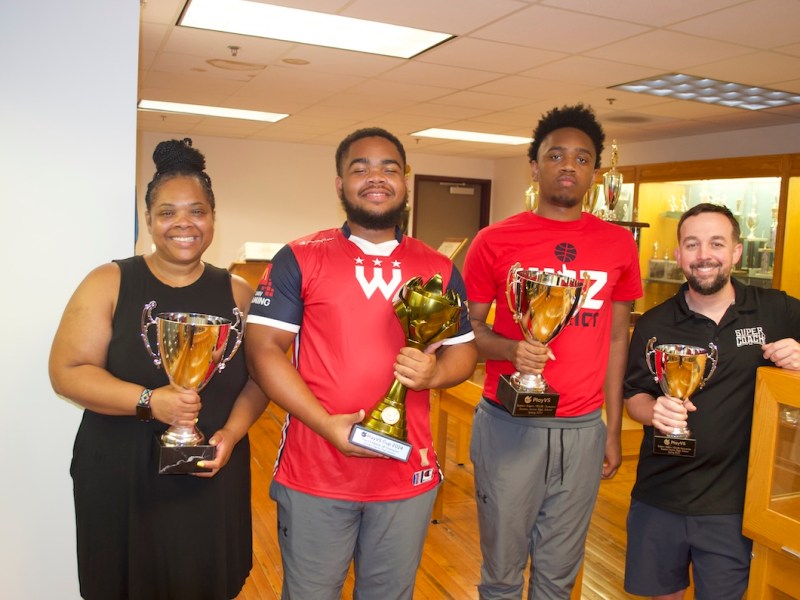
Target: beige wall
[
  {"x": 275, "y": 192},
  {"x": 67, "y": 152}
]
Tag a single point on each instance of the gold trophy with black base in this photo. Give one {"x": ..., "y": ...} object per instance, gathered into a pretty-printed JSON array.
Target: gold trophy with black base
[
  {"x": 427, "y": 315},
  {"x": 191, "y": 348},
  {"x": 678, "y": 369},
  {"x": 542, "y": 303}
]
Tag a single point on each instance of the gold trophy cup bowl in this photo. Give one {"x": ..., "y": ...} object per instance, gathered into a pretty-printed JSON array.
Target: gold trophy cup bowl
[
  {"x": 590, "y": 198},
  {"x": 427, "y": 315},
  {"x": 542, "y": 303},
  {"x": 679, "y": 370},
  {"x": 190, "y": 348}
]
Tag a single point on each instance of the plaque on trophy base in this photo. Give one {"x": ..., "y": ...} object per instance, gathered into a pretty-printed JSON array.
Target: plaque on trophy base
[
  {"x": 176, "y": 460},
  {"x": 667, "y": 445},
  {"x": 380, "y": 442},
  {"x": 524, "y": 403}
]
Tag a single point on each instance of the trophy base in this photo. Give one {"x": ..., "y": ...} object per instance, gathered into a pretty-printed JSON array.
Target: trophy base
[
  {"x": 525, "y": 403},
  {"x": 176, "y": 460},
  {"x": 665, "y": 445},
  {"x": 380, "y": 443}
]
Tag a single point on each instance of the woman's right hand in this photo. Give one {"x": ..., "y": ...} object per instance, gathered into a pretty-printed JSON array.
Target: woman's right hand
[{"x": 175, "y": 406}]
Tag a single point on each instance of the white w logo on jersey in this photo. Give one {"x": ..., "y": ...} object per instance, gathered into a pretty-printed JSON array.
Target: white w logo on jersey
[{"x": 377, "y": 282}]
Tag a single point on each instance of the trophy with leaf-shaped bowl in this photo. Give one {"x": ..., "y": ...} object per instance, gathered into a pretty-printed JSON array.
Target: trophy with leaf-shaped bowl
[{"x": 427, "y": 315}]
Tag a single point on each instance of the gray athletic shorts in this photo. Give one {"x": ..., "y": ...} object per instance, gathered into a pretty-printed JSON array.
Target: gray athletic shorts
[
  {"x": 320, "y": 537},
  {"x": 662, "y": 545}
]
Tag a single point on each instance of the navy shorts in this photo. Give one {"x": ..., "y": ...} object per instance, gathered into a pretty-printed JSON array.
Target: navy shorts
[{"x": 662, "y": 545}]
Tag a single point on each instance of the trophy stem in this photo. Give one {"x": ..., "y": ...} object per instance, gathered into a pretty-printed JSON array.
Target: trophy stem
[
  {"x": 529, "y": 382},
  {"x": 178, "y": 435}
]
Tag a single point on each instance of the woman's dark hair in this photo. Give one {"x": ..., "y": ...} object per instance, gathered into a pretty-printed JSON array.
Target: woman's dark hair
[
  {"x": 360, "y": 134},
  {"x": 177, "y": 158},
  {"x": 579, "y": 117}
]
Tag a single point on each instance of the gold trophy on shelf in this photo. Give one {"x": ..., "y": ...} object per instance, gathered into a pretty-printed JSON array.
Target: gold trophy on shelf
[
  {"x": 590, "y": 198},
  {"x": 191, "y": 349},
  {"x": 612, "y": 185},
  {"x": 542, "y": 303},
  {"x": 679, "y": 371},
  {"x": 427, "y": 315},
  {"x": 532, "y": 196}
]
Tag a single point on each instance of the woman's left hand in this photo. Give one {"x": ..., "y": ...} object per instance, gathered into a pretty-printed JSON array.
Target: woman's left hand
[{"x": 224, "y": 442}]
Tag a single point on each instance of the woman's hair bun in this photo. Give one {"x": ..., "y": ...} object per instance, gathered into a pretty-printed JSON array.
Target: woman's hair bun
[{"x": 178, "y": 156}]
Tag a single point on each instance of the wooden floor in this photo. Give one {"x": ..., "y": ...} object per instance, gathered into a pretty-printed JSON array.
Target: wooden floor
[{"x": 450, "y": 566}]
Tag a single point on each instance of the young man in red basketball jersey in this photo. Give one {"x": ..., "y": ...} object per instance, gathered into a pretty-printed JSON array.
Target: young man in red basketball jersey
[
  {"x": 332, "y": 294},
  {"x": 536, "y": 478}
]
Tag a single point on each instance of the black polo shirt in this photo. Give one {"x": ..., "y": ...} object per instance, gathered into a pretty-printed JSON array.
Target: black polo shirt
[{"x": 713, "y": 482}]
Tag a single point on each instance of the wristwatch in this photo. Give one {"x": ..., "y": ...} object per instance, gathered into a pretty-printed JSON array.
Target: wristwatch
[{"x": 143, "y": 411}]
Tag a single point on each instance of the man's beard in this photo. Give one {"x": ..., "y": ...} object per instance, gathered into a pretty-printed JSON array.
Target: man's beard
[
  {"x": 368, "y": 220},
  {"x": 707, "y": 289}
]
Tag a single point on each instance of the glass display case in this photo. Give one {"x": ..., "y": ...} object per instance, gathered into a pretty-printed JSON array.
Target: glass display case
[
  {"x": 754, "y": 202},
  {"x": 772, "y": 502}
]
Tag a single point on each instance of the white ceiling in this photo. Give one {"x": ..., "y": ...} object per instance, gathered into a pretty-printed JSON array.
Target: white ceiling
[{"x": 511, "y": 60}]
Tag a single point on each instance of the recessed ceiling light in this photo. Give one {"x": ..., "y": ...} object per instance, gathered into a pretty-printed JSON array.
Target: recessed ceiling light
[
  {"x": 710, "y": 91},
  {"x": 307, "y": 27},
  {"x": 472, "y": 136},
  {"x": 210, "y": 111},
  {"x": 235, "y": 65},
  {"x": 296, "y": 61}
]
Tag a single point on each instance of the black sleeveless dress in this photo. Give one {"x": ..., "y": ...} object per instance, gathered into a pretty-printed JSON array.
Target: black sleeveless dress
[{"x": 145, "y": 536}]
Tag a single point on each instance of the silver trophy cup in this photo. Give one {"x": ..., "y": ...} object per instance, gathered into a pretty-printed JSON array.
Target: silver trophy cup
[{"x": 191, "y": 350}]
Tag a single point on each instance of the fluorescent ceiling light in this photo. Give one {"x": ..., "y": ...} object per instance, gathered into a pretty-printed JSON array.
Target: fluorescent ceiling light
[
  {"x": 710, "y": 91},
  {"x": 211, "y": 111},
  {"x": 307, "y": 27},
  {"x": 472, "y": 136}
]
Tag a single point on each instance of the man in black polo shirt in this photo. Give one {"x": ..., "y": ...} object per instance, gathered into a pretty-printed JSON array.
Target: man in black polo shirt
[{"x": 688, "y": 508}]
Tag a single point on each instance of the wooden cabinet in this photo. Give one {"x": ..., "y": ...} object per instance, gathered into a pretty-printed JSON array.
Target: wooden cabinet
[
  {"x": 772, "y": 503},
  {"x": 250, "y": 270}
]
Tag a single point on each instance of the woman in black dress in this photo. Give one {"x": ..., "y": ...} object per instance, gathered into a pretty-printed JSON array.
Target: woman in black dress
[{"x": 141, "y": 535}]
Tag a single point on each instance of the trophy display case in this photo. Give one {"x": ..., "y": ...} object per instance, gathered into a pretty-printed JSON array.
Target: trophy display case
[{"x": 772, "y": 502}]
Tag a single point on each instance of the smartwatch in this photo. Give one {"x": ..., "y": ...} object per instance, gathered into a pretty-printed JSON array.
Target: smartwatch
[{"x": 143, "y": 411}]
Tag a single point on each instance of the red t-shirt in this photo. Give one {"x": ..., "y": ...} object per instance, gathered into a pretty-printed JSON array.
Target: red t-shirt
[{"x": 605, "y": 250}]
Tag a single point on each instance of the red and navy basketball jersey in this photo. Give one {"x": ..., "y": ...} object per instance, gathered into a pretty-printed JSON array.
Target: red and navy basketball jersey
[{"x": 339, "y": 299}]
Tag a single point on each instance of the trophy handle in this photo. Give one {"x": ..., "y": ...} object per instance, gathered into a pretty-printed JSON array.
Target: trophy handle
[
  {"x": 712, "y": 356},
  {"x": 239, "y": 331},
  {"x": 649, "y": 352},
  {"x": 587, "y": 281},
  {"x": 512, "y": 285},
  {"x": 147, "y": 321}
]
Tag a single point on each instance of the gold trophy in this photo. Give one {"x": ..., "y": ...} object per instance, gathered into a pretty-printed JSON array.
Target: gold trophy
[
  {"x": 542, "y": 303},
  {"x": 590, "y": 198},
  {"x": 427, "y": 315},
  {"x": 191, "y": 350},
  {"x": 678, "y": 369},
  {"x": 612, "y": 185}
]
